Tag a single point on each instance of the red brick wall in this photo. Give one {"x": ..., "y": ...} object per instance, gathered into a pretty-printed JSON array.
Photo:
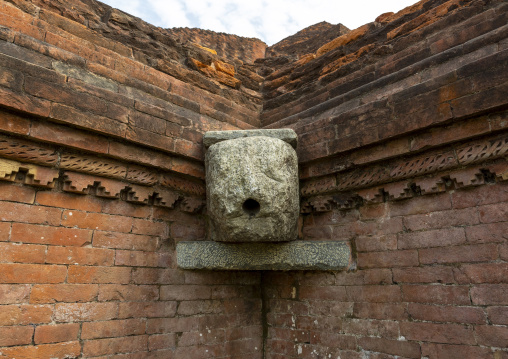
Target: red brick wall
[
  {"x": 403, "y": 139},
  {"x": 93, "y": 277},
  {"x": 430, "y": 282}
]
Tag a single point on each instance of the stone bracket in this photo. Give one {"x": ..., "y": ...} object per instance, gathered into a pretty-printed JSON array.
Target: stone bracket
[{"x": 296, "y": 255}]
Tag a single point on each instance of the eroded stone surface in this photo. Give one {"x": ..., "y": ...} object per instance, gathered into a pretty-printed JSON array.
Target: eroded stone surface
[
  {"x": 297, "y": 255},
  {"x": 252, "y": 190},
  {"x": 284, "y": 134}
]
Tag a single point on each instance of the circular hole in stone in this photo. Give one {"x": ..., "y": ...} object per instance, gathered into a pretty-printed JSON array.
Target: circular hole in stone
[{"x": 251, "y": 207}]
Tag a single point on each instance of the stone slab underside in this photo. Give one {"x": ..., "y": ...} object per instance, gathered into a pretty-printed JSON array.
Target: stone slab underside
[{"x": 298, "y": 255}]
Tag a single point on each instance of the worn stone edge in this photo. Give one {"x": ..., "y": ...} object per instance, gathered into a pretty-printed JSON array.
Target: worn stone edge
[
  {"x": 285, "y": 134},
  {"x": 297, "y": 255}
]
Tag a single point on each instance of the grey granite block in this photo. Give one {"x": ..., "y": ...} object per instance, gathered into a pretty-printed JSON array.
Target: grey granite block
[{"x": 296, "y": 255}]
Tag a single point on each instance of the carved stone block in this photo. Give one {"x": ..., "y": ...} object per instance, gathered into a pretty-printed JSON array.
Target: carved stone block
[{"x": 252, "y": 189}]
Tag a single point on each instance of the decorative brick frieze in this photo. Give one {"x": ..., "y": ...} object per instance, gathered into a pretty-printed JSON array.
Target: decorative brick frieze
[
  {"x": 109, "y": 188},
  {"x": 399, "y": 169},
  {"x": 192, "y": 204},
  {"x": 166, "y": 198},
  {"x": 77, "y": 182},
  {"x": 91, "y": 164},
  {"x": 184, "y": 185},
  {"x": 27, "y": 151},
  {"x": 14, "y": 171},
  {"x": 482, "y": 150},
  {"x": 139, "y": 194},
  {"x": 86, "y": 171},
  {"x": 140, "y": 175},
  {"x": 439, "y": 182}
]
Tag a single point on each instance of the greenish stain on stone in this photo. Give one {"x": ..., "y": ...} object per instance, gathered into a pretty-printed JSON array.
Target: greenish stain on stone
[{"x": 296, "y": 255}]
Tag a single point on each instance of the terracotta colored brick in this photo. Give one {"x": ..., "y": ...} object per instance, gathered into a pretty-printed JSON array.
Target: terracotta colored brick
[
  {"x": 10, "y": 336},
  {"x": 184, "y": 231},
  {"x": 81, "y": 312},
  {"x": 85, "y": 274},
  {"x": 406, "y": 258},
  {"x": 56, "y": 333},
  {"x": 172, "y": 325},
  {"x": 5, "y": 231},
  {"x": 230, "y": 291},
  {"x": 489, "y": 294},
  {"x": 98, "y": 221},
  {"x": 90, "y": 121},
  {"x": 147, "y": 122},
  {"x": 14, "y": 293},
  {"x": 60, "y": 350},
  {"x": 17, "y": 212},
  {"x": 418, "y": 205},
  {"x": 439, "y": 136},
  {"x": 194, "y": 307},
  {"x": 452, "y": 295},
  {"x": 11, "y": 192},
  {"x": 32, "y": 273},
  {"x": 136, "y": 293},
  {"x": 442, "y": 219},
  {"x": 81, "y": 256},
  {"x": 434, "y": 274},
  {"x": 14, "y": 123},
  {"x": 493, "y": 336},
  {"x": 126, "y": 209},
  {"x": 185, "y": 292},
  {"x": 22, "y": 253},
  {"x": 147, "y": 309},
  {"x": 484, "y": 273},
  {"x": 138, "y": 259},
  {"x": 390, "y": 311},
  {"x": 367, "y": 327},
  {"x": 457, "y": 254},
  {"x": 61, "y": 135},
  {"x": 67, "y": 200},
  {"x": 52, "y": 293},
  {"x": 480, "y": 196},
  {"x": 323, "y": 293},
  {"x": 376, "y": 294},
  {"x": 115, "y": 346},
  {"x": 152, "y": 139},
  {"x": 25, "y": 103},
  {"x": 433, "y": 313},
  {"x": 433, "y": 238},
  {"x": 125, "y": 241},
  {"x": 486, "y": 233},
  {"x": 494, "y": 212},
  {"x": 29, "y": 233},
  {"x": 398, "y": 347},
  {"x": 503, "y": 252},
  {"x": 161, "y": 341},
  {"x": 150, "y": 228},
  {"x": 25, "y": 314},
  {"x": 454, "y": 351},
  {"x": 115, "y": 328},
  {"x": 157, "y": 276},
  {"x": 498, "y": 315},
  {"x": 376, "y": 243},
  {"x": 440, "y": 333}
]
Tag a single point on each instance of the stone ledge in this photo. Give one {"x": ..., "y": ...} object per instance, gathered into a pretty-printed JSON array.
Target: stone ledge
[
  {"x": 298, "y": 255},
  {"x": 284, "y": 134}
]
